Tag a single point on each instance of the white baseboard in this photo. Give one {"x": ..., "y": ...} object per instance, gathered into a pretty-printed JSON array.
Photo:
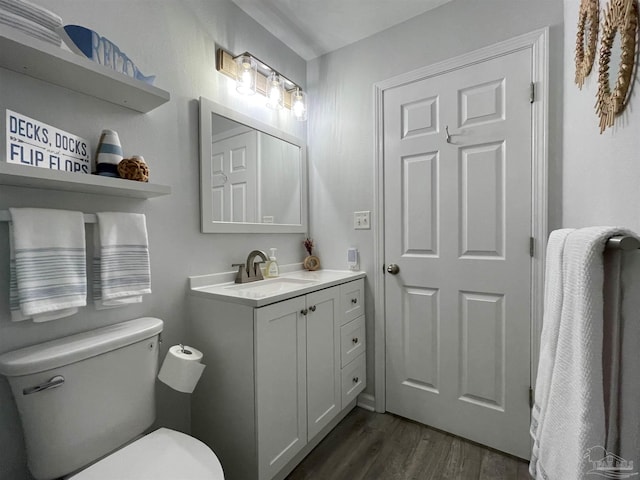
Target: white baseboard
[{"x": 367, "y": 401}]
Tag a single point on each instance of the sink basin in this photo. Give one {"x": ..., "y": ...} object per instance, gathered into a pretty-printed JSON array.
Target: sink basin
[{"x": 272, "y": 286}]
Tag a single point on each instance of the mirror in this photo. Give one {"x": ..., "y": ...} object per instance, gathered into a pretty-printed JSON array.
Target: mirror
[
  {"x": 614, "y": 62},
  {"x": 253, "y": 177}
]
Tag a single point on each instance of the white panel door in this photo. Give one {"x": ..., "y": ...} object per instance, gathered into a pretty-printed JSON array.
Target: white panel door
[
  {"x": 281, "y": 396},
  {"x": 323, "y": 358},
  {"x": 457, "y": 224},
  {"x": 233, "y": 179}
]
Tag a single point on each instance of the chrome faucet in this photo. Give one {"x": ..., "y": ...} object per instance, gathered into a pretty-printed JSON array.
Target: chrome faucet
[{"x": 250, "y": 271}]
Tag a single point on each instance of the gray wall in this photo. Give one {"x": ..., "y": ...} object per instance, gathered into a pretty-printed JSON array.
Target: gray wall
[
  {"x": 601, "y": 171},
  {"x": 341, "y": 128},
  {"x": 175, "y": 40}
]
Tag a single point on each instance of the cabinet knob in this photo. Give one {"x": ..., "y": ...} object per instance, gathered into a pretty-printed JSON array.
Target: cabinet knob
[
  {"x": 354, "y": 339},
  {"x": 355, "y": 379},
  {"x": 354, "y": 300},
  {"x": 304, "y": 311},
  {"x": 312, "y": 308}
]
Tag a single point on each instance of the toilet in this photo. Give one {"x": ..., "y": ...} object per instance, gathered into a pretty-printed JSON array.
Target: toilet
[{"x": 85, "y": 402}]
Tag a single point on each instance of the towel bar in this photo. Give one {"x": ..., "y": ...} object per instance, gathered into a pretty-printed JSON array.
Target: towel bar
[
  {"x": 623, "y": 242},
  {"x": 88, "y": 217}
]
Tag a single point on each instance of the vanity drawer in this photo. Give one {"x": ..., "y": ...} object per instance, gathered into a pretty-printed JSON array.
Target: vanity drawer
[
  {"x": 353, "y": 341},
  {"x": 352, "y": 300},
  {"x": 353, "y": 379}
]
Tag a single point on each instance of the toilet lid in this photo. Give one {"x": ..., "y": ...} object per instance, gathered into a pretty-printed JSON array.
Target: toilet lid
[{"x": 163, "y": 454}]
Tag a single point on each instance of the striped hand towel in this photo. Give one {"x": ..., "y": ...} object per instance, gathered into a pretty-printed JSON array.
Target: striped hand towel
[
  {"x": 47, "y": 264},
  {"x": 121, "y": 259}
]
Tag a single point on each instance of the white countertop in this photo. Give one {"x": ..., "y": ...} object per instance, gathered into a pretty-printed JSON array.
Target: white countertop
[{"x": 271, "y": 290}]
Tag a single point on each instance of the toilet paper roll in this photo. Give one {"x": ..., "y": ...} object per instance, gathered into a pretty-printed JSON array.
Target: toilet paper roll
[{"x": 181, "y": 368}]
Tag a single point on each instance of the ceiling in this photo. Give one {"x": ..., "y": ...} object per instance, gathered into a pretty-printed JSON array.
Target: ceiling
[{"x": 314, "y": 27}]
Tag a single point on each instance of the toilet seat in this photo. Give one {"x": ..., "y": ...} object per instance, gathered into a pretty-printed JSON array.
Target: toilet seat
[{"x": 162, "y": 454}]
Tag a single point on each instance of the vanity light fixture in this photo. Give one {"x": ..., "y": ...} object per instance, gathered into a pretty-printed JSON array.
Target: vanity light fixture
[
  {"x": 252, "y": 75},
  {"x": 275, "y": 91}
]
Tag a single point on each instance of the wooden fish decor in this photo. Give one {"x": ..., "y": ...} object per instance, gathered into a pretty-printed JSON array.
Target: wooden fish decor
[{"x": 86, "y": 42}]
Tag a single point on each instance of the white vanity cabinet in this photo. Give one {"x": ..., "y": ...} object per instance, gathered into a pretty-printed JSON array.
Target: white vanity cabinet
[{"x": 279, "y": 377}]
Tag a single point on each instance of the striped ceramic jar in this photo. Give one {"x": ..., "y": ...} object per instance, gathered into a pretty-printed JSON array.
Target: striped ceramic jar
[{"x": 109, "y": 154}]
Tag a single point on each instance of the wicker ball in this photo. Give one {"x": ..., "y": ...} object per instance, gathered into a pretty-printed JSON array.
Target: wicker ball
[{"x": 133, "y": 168}]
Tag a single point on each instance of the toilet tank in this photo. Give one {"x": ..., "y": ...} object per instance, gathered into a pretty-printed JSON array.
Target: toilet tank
[{"x": 101, "y": 394}]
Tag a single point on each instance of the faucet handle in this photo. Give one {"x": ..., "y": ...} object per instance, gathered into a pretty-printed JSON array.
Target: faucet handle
[{"x": 241, "y": 276}]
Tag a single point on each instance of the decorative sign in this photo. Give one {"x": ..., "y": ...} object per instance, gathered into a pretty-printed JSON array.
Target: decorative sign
[
  {"x": 30, "y": 142},
  {"x": 84, "y": 41}
]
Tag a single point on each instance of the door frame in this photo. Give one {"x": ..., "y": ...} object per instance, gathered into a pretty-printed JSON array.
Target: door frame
[{"x": 538, "y": 42}]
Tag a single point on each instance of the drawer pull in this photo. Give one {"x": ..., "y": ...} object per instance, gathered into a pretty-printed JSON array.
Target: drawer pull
[
  {"x": 354, "y": 300},
  {"x": 354, "y": 340},
  {"x": 355, "y": 379},
  {"x": 304, "y": 311},
  {"x": 312, "y": 308}
]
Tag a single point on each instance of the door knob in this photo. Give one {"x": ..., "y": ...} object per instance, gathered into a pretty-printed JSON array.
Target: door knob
[{"x": 393, "y": 269}]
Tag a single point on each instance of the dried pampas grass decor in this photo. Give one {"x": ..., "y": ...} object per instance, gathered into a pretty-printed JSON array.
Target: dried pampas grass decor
[
  {"x": 586, "y": 39},
  {"x": 621, "y": 18}
]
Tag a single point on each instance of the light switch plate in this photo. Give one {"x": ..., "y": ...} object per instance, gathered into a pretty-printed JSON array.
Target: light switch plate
[{"x": 362, "y": 220}]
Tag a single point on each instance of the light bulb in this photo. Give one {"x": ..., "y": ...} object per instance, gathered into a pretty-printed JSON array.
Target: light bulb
[
  {"x": 246, "y": 70},
  {"x": 299, "y": 104},
  {"x": 275, "y": 91}
]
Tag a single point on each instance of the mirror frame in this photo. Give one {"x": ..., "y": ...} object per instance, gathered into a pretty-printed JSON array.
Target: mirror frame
[
  {"x": 588, "y": 25},
  {"x": 620, "y": 18},
  {"x": 209, "y": 107}
]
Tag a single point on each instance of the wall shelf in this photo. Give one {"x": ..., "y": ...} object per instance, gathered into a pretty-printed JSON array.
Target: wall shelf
[
  {"x": 35, "y": 177},
  {"x": 38, "y": 59}
]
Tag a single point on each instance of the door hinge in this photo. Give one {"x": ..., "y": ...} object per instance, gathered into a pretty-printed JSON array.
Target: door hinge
[
  {"x": 532, "y": 92},
  {"x": 532, "y": 245},
  {"x": 530, "y": 397}
]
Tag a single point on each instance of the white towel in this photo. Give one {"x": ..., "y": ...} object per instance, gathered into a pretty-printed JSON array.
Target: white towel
[
  {"x": 570, "y": 407},
  {"x": 28, "y": 27},
  {"x": 32, "y": 12},
  {"x": 553, "y": 295},
  {"x": 121, "y": 259},
  {"x": 47, "y": 263}
]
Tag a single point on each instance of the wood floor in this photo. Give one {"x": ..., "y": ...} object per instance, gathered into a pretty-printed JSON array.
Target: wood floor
[{"x": 373, "y": 446}]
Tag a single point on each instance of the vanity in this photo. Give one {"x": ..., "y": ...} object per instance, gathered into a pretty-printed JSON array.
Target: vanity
[
  {"x": 285, "y": 362},
  {"x": 285, "y": 356}
]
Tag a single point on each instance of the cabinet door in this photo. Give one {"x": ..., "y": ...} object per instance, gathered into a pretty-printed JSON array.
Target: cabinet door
[
  {"x": 281, "y": 403},
  {"x": 323, "y": 358}
]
